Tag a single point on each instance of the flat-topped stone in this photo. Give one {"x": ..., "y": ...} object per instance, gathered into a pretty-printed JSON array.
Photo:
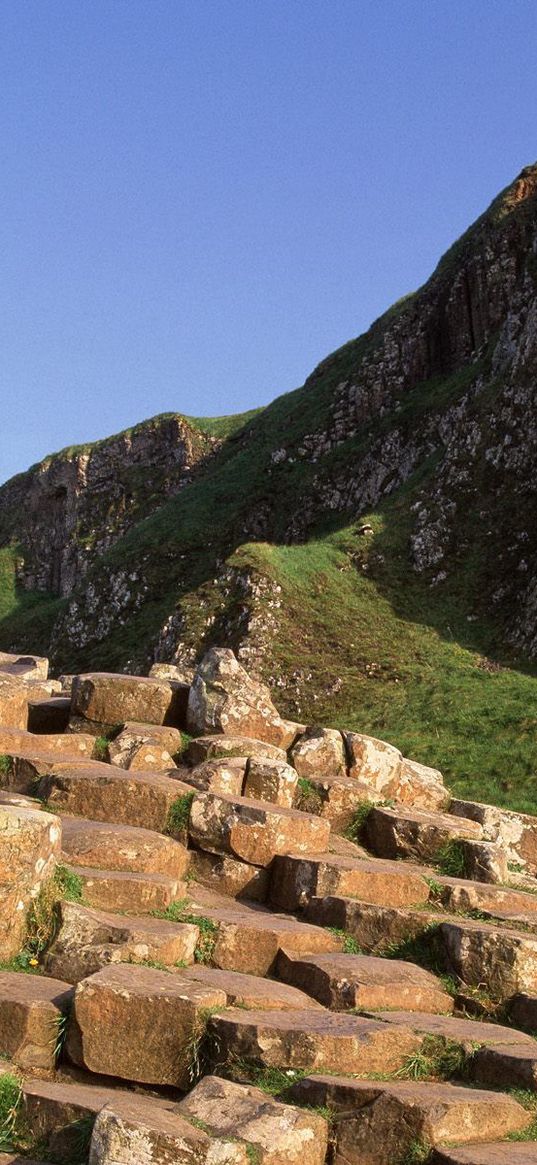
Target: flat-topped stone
[
  {"x": 315, "y": 1040},
  {"x": 141, "y": 800},
  {"x": 248, "y": 939},
  {"x": 415, "y": 833},
  {"x": 229, "y": 876},
  {"x": 254, "y": 831},
  {"x": 60, "y": 1112},
  {"x": 506, "y": 1153},
  {"x": 64, "y": 747},
  {"x": 271, "y": 780},
  {"x": 122, "y": 847},
  {"x": 252, "y": 991},
  {"x": 32, "y": 667},
  {"x": 278, "y": 1134},
  {"x": 31, "y": 1011},
  {"x": 88, "y": 939},
  {"x": 103, "y": 700},
  {"x": 362, "y": 982},
  {"x": 204, "y": 748},
  {"x": 504, "y": 959},
  {"x": 375, "y": 927},
  {"x": 128, "y": 1126},
  {"x": 296, "y": 879},
  {"x": 162, "y": 1013},
  {"x": 467, "y": 1032},
  {"x": 129, "y": 893},
  {"x": 378, "y": 1122}
]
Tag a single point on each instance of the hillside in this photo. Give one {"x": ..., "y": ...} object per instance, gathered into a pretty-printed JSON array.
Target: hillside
[{"x": 367, "y": 543}]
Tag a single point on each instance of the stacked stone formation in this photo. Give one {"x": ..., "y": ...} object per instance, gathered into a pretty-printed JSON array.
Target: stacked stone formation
[{"x": 219, "y": 972}]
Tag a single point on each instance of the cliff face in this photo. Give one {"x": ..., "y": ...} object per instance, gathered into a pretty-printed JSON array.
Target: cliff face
[
  {"x": 432, "y": 412},
  {"x": 68, "y": 510}
]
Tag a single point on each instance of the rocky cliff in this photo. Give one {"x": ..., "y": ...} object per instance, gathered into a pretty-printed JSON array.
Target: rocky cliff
[{"x": 395, "y": 489}]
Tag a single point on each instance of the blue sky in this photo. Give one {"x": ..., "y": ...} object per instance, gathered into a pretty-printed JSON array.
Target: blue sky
[{"x": 202, "y": 198}]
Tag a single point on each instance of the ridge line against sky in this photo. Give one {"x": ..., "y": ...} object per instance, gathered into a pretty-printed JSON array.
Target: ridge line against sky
[{"x": 203, "y": 198}]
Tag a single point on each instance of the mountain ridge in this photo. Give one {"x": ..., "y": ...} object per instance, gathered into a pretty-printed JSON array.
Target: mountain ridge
[{"x": 422, "y": 429}]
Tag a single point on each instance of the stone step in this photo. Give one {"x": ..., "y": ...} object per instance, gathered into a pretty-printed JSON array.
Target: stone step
[
  {"x": 497, "y": 1056},
  {"x": 61, "y": 1113},
  {"x": 270, "y": 780},
  {"x": 204, "y": 748},
  {"x": 32, "y": 1010},
  {"x": 229, "y": 876},
  {"x": 102, "y": 700},
  {"x": 23, "y": 770},
  {"x": 517, "y": 832},
  {"x": 503, "y": 1153},
  {"x": 88, "y": 939},
  {"x": 307, "y": 1040},
  {"x": 248, "y": 939},
  {"x": 415, "y": 833},
  {"x": 252, "y": 991},
  {"x": 49, "y": 716},
  {"x": 379, "y": 1122},
  {"x": 363, "y": 982},
  {"x": 296, "y": 879},
  {"x": 126, "y": 892},
  {"x": 117, "y": 796},
  {"x": 122, "y": 847},
  {"x": 277, "y": 1133},
  {"x": 460, "y": 894},
  {"x": 140, "y": 1024},
  {"x": 335, "y": 798},
  {"x": 254, "y": 831},
  {"x": 63, "y": 746},
  {"x": 376, "y": 928},
  {"x": 218, "y": 776},
  {"x": 477, "y": 952}
]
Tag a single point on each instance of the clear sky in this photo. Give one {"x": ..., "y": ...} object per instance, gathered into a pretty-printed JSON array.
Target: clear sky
[{"x": 202, "y": 198}]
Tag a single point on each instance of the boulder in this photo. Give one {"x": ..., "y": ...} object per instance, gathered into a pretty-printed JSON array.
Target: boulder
[
  {"x": 122, "y": 847},
  {"x": 141, "y": 1130},
  {"x": 218, "y": 776},
  {"x": 206, "y": 748},
  {"x": 139, "y": 1024},
  {"x": 30, "y": 844},
  {"x": 31, "y": 1014},
  {"x": 254, "y": 831},
  {"x": 103, "y": 700},
  {"x": 29, "y": 667},
  {"x": 422, "y": 787},
  {"x": 271, "y": 780},
  {"x": 415, "y": 833},
  {"x": 146, "y": 747},
  {"x": 88, "y": 939},
  {"x": 319, "y": 752},
  {"x": 376, "y": 763},
  {"x": 278, "y": 1134},
  {"x": 224, "y": 698}
]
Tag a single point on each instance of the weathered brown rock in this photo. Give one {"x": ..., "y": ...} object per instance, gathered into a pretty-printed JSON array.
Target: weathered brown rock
[
  {"x": 377, "y": 1122},
  {"x": 60, "y": 1114},
  {"x": 224, "y": 698},
  {"x": 141, "y": 800},
  {"x": 506, "y": 1064},
  {"x": 15, "y": 696},
  {"x": 374, "y": 927},
  {"x": 254, "y": 831},
  {"x": 271, "y": 780},
  {"x": 413, "y": 833},
  {"x": 128, "y": 892},
  {"x": 30, "y": 667},
  {"x": 280, "y": 1134},
  {"x": 251, "y": 991},
  {"x": 215, "y": 747},
  {"x": 89, "y": 939},
  {"x": 484, "y": 861},
  {"x": 460, "y": 895},
  {"x": 80, "y": 747},
  {"x": 248, "y": 939},
  {"x": 345, "y": 982},
  {"x": 145, "y": 747},
  {"x": 311, "y": 1040},
  {"x": 505, "y": 1153},
  {"x": 229, "y": 876},
  {"x": 373, "y": 761},
  {"x": 102, "y": 700},
  {"x": 30, "y": 843},
  {"x": 121, "y": 847},
  {"x": 523, "y": 1012},
  {"x": 139, "y": 1024},
  {"x": 505, "y": 960},
  {"x": 146, "y": 1130},
  {"x": 319, "y": 752},
  {"x": 515, "y": 832},
  {"x": 31, "y": 1010},
  {"x": 336, "y": 799},
  {"x": 422, "y": 787},
  {"x": 218, "y": 776},
  {"x": 296, "y": 879}
]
